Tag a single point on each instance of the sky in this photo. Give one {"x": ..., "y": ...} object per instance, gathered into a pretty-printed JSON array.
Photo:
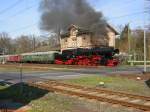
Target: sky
[{"x": 24, "y": 16}]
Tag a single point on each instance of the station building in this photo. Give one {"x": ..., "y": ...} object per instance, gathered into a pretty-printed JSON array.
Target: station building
[{"x": 77, "y": 37}]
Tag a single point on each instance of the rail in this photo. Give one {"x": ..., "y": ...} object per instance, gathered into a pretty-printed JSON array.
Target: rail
[{"x": 97, "y": 94}]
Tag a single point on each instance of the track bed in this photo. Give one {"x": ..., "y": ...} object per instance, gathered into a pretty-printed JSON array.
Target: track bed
[{"x": 99, "y": 94}]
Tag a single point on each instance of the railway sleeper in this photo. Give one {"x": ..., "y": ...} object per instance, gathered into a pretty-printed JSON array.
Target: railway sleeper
[
  {"x": 102, "y": 90},
  {"x": 103, "y": 99}
]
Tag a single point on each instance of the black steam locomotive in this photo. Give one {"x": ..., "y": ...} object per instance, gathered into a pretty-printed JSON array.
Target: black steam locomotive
[{"x": 88, "y": 56}]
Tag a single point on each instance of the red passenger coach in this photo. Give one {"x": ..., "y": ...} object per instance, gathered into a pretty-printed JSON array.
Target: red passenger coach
[{"x": 14, "y": 58}]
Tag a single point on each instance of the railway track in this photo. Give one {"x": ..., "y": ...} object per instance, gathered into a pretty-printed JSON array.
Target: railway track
[
  {"x": 48, "y": 65},
  {"x": 103, "y": 95}
]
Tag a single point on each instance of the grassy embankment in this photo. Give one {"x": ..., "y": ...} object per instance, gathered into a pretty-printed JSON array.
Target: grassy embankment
[
  {"x": 58, "y": 103},
  {"x": 113, "y": 83}
]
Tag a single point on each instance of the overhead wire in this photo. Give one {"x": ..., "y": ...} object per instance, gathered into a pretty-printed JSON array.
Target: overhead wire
[
  {"x": 131, "y": 14},
  {"x": 31, "y": 25},
  {"x": 127, "y": 2},
  {"x": 10, "y": 7},
  {"x": 25, "y": 27},
  {"x": 20, "y": 12}
]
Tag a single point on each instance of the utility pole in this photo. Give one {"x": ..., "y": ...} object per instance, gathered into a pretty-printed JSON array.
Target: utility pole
[
  {"x": 3, "y": 53},
  {"x": 145, "y": 53},
  {"x": 33, "y": 43},
  {"x": 129, "y": 41},
  {"x": 21, "y": 79}
]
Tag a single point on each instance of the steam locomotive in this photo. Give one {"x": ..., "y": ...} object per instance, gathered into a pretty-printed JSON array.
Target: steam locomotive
[
  {"x": 88, "y": 56},
  {"x": 80, "y": 56}
]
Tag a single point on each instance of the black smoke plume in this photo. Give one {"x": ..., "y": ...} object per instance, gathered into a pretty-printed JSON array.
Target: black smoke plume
[{"x": 58, "y": 15}]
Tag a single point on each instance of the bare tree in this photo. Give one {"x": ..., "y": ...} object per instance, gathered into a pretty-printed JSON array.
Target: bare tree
[
  {"x": 124, "y": 40},
  {"x": 24, "y": 44},
  {"x": 34, "y": 42},
  {"x": 139, "y": 42},
  {"x": 6, "y": 45}
]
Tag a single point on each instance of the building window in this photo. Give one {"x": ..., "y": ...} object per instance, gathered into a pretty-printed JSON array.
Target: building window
[
  {"x": 66, "y": 40},
  {"x": 73, "y": 32},
  {"x": 74, "y": 39}
]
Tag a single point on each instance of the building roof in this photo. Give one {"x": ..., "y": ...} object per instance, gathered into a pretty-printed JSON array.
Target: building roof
[
  {"x": 113, "y": 29},
  {"x": 73, "y": 26},
  {"x": 82, "y": 31},
  {"x": 64, "y": 35}
]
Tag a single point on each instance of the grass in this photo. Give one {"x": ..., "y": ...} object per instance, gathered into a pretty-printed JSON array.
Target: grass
[
  {"x": 2, "y": 87},
  {"x": 62, "y": 103},
  {"x": 4, "y": 69},
  {"x": 113, "y": 83},
  {"x": 14, "y": 69},
  {"x": 30, "y": 69},
  {"x": 52, "y": 103},
  {"x": 26, "y": 69}
]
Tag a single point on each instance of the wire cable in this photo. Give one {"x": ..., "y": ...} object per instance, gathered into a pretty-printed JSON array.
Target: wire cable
[
  {"x": 127, "y": 2},
  {"x": 24, "y": 27},
  {"x": 10, "y": 7},
  {"x": 19, "y": 12},
  {"x": 131, "y": 14},
  {"x": 31, "y": 25}
]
